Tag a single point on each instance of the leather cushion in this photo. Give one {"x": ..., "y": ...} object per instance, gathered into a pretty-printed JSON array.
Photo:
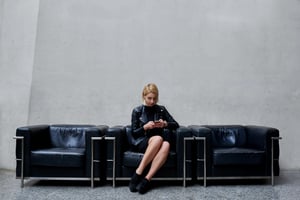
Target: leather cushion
[
  {"x": 133, "y": 159},
  {"x": 59, "y": 157},
  {"x": 228, "y": 136},
  {"x": 238, "y": 156},
  {"x": 71, "y": 136}
]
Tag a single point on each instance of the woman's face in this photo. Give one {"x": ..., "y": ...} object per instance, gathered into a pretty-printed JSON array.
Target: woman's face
[{"x": 150, "y": 99}]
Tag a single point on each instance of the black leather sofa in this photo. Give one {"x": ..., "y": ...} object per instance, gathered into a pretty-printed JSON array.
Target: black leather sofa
[
  {"x": 206, "y": 152},
  {"x": 57, "y": 152},
  {"x": 236, "y": 152},
  {"x": 127, "y": 160}
]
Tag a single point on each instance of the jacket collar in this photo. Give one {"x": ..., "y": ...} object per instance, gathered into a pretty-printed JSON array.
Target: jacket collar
[{"x": 143, "y": 116}]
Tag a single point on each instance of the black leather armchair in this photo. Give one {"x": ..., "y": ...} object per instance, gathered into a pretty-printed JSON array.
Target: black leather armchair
[
  {"x": 127, "y": 160},
  {"x": 238, "y": 152},
  {"x": 57, "y": 152}
]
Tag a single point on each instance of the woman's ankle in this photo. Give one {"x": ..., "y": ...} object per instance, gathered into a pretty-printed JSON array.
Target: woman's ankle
[{"x": 138, "y": 172}]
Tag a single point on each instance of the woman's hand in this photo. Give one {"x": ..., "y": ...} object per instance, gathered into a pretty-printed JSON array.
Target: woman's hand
[
  {"x": 160, "y": 123},
  {"x": 156, "y": 124},
  {"x": 149, "y": 125}
]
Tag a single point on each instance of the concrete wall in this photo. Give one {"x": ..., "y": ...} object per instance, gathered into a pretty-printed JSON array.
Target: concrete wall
[
  {"x": 18, "y": 20},
  {"x": 215, "y": 62}
]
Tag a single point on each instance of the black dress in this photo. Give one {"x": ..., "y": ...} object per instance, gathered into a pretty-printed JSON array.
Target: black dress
[{"x": 142, "y": 115}]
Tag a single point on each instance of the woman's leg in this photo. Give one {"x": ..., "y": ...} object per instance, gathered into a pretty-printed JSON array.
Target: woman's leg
[
  {"x": 154, "y": 145},
  {"x": 159, "y": 159}
]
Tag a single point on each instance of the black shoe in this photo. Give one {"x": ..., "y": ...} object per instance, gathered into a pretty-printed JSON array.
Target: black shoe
[
  {"x": 135, "y": 180},
  {"x": 143, "y": 186}
]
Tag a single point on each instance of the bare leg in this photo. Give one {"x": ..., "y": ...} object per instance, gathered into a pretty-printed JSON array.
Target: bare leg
[
  {"x": 159, "y": 160},
  {"x": 154, "y": 145}
]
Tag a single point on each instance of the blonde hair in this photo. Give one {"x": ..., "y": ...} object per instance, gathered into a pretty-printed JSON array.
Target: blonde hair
[{"x": 150, "y": 88}]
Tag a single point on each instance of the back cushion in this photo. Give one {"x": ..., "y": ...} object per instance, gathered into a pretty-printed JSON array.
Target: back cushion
[
  {"x": 67, "y": 136},
  {"x": 228, "y": 136}
]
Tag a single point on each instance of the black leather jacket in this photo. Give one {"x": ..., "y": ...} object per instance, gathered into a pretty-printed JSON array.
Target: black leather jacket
[{"x": 141, "y": 115}]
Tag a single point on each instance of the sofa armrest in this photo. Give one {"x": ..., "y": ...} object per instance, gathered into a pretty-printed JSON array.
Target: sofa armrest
[
  {"x": 119, "y": 132},
  {"x": 102, "y": 128},
  {"x": 98, "y": 147},
  {"x": 181, "y": 133},
  {"x": 260, "y": 137},
  {"x": 200, "y": 131},
  {"x": 34, "y": 137}
]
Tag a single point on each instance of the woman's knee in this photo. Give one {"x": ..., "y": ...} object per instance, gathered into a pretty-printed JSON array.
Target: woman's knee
[
  {"x": 165, "y": 147},
  {"x": 156, "y": 139}
]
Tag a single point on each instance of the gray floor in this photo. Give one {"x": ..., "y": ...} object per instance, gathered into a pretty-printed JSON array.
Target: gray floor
[{"x": 287, "y": 187}]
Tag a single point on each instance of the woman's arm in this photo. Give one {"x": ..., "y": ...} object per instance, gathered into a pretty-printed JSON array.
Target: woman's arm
[
  {"x": 171, "y": 123},
  {"x": 136, "y": 126}
]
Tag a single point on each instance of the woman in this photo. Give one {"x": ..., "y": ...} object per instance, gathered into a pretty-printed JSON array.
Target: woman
[{"x": 148, "y": 123}]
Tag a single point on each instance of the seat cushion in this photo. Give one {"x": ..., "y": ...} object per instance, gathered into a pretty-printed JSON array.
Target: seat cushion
[
  {"x": 59, "y": 157},
  {"x": 238, "y": 156},
  {"x": 133, "y": 159}
]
